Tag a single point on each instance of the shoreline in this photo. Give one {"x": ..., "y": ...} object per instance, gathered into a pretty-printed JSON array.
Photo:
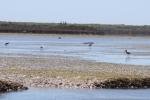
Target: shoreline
[
  {"x": 76, "y": 35},
  {"x": 61, "y": 72},
  {"x": 46, "y": 78},
  {"x": 10, "y": 86},
  {"x": 76, "y": 28}
]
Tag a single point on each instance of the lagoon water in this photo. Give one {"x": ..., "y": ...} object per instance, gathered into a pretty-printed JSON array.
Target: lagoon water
[
  {"x": 106, "y": 48},
  {"x": 82, "y": 94}
]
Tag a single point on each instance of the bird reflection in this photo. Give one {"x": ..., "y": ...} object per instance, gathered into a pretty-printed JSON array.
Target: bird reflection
[{"x": 127, "y": 59}]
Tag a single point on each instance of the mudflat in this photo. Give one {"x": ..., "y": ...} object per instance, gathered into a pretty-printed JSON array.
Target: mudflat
[{"x": 65, "y": 72}]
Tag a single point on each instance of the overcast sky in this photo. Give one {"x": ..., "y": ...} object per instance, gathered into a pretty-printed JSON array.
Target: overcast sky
[{"x": 135, "y": 12}]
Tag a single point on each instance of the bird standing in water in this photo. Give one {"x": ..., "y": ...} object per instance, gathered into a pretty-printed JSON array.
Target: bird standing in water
[
  {"x": 41, "y": 47},
  {"x": 128, "y": 53},
  {"x": 59, "y": 38},
  {"x": 89, "y": 43}
]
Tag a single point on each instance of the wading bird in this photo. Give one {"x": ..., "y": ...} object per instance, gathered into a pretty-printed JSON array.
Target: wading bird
[{"x": 128, "y": 53}]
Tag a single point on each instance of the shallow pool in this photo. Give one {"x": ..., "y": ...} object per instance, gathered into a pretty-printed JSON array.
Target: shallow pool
[{"x": 106, "y": 48}]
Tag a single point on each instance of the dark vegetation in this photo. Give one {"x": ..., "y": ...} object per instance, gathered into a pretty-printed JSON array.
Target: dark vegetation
[
  {"x": 8, "y": 86},
  {"x": 65, "y": 28},
  {"x": 124, "y": 83}
]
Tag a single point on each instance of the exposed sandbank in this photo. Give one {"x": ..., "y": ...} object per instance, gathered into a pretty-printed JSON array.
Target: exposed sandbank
[{"x": 62, "y": 72}]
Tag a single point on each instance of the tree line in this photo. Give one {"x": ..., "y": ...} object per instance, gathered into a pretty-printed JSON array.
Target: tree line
[{"x": 66, "y": 28}]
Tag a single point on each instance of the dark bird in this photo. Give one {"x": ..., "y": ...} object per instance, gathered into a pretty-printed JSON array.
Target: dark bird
[
  {"x": 41, "y": 47},
  {"x": 128, "y": 53},
  {"x": 59, "y": 38},
  {"x": 6, "y": 43},
  {"x": 89, "y": 43}
]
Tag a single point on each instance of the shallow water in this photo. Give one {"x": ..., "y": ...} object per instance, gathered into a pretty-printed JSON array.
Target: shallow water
[
  {"x": 106, "y": 49},
  {"x": 83, "y": 94}
]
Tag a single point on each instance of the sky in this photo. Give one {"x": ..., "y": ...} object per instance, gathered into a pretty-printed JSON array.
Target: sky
[{"x": 131, "y": 12}]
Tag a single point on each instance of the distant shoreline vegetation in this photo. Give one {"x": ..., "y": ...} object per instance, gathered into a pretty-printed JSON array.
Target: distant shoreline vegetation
[{"x": 67, "y": 28}]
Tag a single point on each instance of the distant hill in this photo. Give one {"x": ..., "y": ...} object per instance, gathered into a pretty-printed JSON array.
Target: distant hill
[{"x": 65, "y": 28}]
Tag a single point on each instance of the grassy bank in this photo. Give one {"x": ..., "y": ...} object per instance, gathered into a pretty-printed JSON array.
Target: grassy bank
[
  {"x": 52, "y": 71},
  {"x": 67, "y": 28},
  {"x": 72, "y": 79},
  {"x": 9, "y": 86}
]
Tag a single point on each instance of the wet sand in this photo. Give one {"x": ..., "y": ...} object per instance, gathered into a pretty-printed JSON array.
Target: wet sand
[{"x": 64, "y": 72}]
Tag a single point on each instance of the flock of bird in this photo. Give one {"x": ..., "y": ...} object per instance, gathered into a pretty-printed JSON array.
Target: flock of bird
[{"x": 88, "y": 43}]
